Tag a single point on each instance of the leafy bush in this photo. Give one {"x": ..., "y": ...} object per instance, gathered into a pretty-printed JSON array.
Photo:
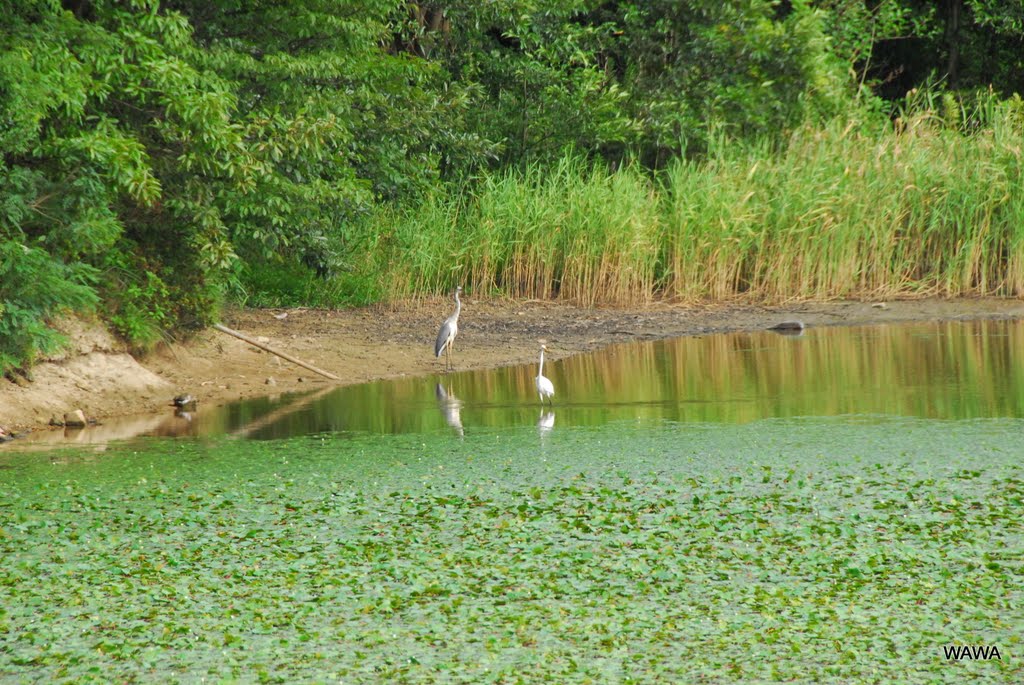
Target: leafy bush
[{"x": 34, "y": 287}]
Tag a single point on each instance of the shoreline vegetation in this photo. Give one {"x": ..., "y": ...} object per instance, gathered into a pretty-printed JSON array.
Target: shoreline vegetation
[
  {"x": 165, "y": 159},
  {"x": 849, "y": 210}
]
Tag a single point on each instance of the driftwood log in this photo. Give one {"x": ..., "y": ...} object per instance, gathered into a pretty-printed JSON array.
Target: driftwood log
[{"x": 282, "y": 355}]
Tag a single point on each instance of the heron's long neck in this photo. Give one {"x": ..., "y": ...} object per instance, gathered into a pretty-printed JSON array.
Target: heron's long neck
[
  {"x": 458, "y": 306},
  {"x": 540, "y": 371}
]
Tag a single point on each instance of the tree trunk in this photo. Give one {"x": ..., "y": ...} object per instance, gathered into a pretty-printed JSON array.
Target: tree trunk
[{"x": 953, "y": 41}]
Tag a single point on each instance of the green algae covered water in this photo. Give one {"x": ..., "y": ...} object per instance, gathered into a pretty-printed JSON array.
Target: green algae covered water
[{"x": 844, "y": 506}]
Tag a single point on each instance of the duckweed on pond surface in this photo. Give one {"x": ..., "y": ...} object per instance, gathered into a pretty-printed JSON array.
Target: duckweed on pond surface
[{"x": 849, "y": 549}]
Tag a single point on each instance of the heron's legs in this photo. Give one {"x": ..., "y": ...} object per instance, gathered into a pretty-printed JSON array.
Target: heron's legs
[{"x": 448, "y": 357}]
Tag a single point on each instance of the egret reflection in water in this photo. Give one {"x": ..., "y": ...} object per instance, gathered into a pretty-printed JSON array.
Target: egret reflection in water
[{"x": 546, "y": 422}]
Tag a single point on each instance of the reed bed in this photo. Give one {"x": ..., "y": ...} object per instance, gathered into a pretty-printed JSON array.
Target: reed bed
[{"x": 923, "y": 205}]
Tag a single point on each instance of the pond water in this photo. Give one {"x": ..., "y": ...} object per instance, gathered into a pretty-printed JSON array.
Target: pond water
[
  {"x": 833, "y": 507},
  {"x": 945, "y": 370}
]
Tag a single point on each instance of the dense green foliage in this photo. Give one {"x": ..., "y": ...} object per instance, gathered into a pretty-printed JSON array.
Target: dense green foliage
[{"x": 159, "y": 155}]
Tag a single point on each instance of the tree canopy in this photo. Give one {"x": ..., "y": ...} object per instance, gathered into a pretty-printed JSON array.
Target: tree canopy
[{"x": 154, "y": 150}]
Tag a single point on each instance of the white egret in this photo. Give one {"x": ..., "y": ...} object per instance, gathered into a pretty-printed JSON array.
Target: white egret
[{"x": 544, "y": 386}]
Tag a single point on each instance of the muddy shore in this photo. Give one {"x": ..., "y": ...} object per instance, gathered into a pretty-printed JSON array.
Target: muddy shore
[{"x": 98, "y": 376}]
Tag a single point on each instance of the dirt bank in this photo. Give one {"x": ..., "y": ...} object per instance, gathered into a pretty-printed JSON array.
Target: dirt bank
[{"x": 99, "y": 377}]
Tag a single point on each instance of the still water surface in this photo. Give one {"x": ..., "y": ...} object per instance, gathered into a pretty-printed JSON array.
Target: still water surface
[{"x": 944, "y": 370}]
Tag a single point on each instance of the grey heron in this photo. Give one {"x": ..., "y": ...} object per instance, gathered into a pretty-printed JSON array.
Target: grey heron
[
  {"x": 544, "y": 386},
  {"x": 449, "y": 329}
]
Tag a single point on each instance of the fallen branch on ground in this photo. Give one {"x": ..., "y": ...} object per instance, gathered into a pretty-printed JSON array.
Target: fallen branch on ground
[{"x": 282, "y": 355}]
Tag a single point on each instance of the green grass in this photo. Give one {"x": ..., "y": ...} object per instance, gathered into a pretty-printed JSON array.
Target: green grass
[{"x": 929, "y": 204}]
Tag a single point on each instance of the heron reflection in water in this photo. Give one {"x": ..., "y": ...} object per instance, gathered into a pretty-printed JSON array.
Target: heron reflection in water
[{"x": 451, "y": 408}]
